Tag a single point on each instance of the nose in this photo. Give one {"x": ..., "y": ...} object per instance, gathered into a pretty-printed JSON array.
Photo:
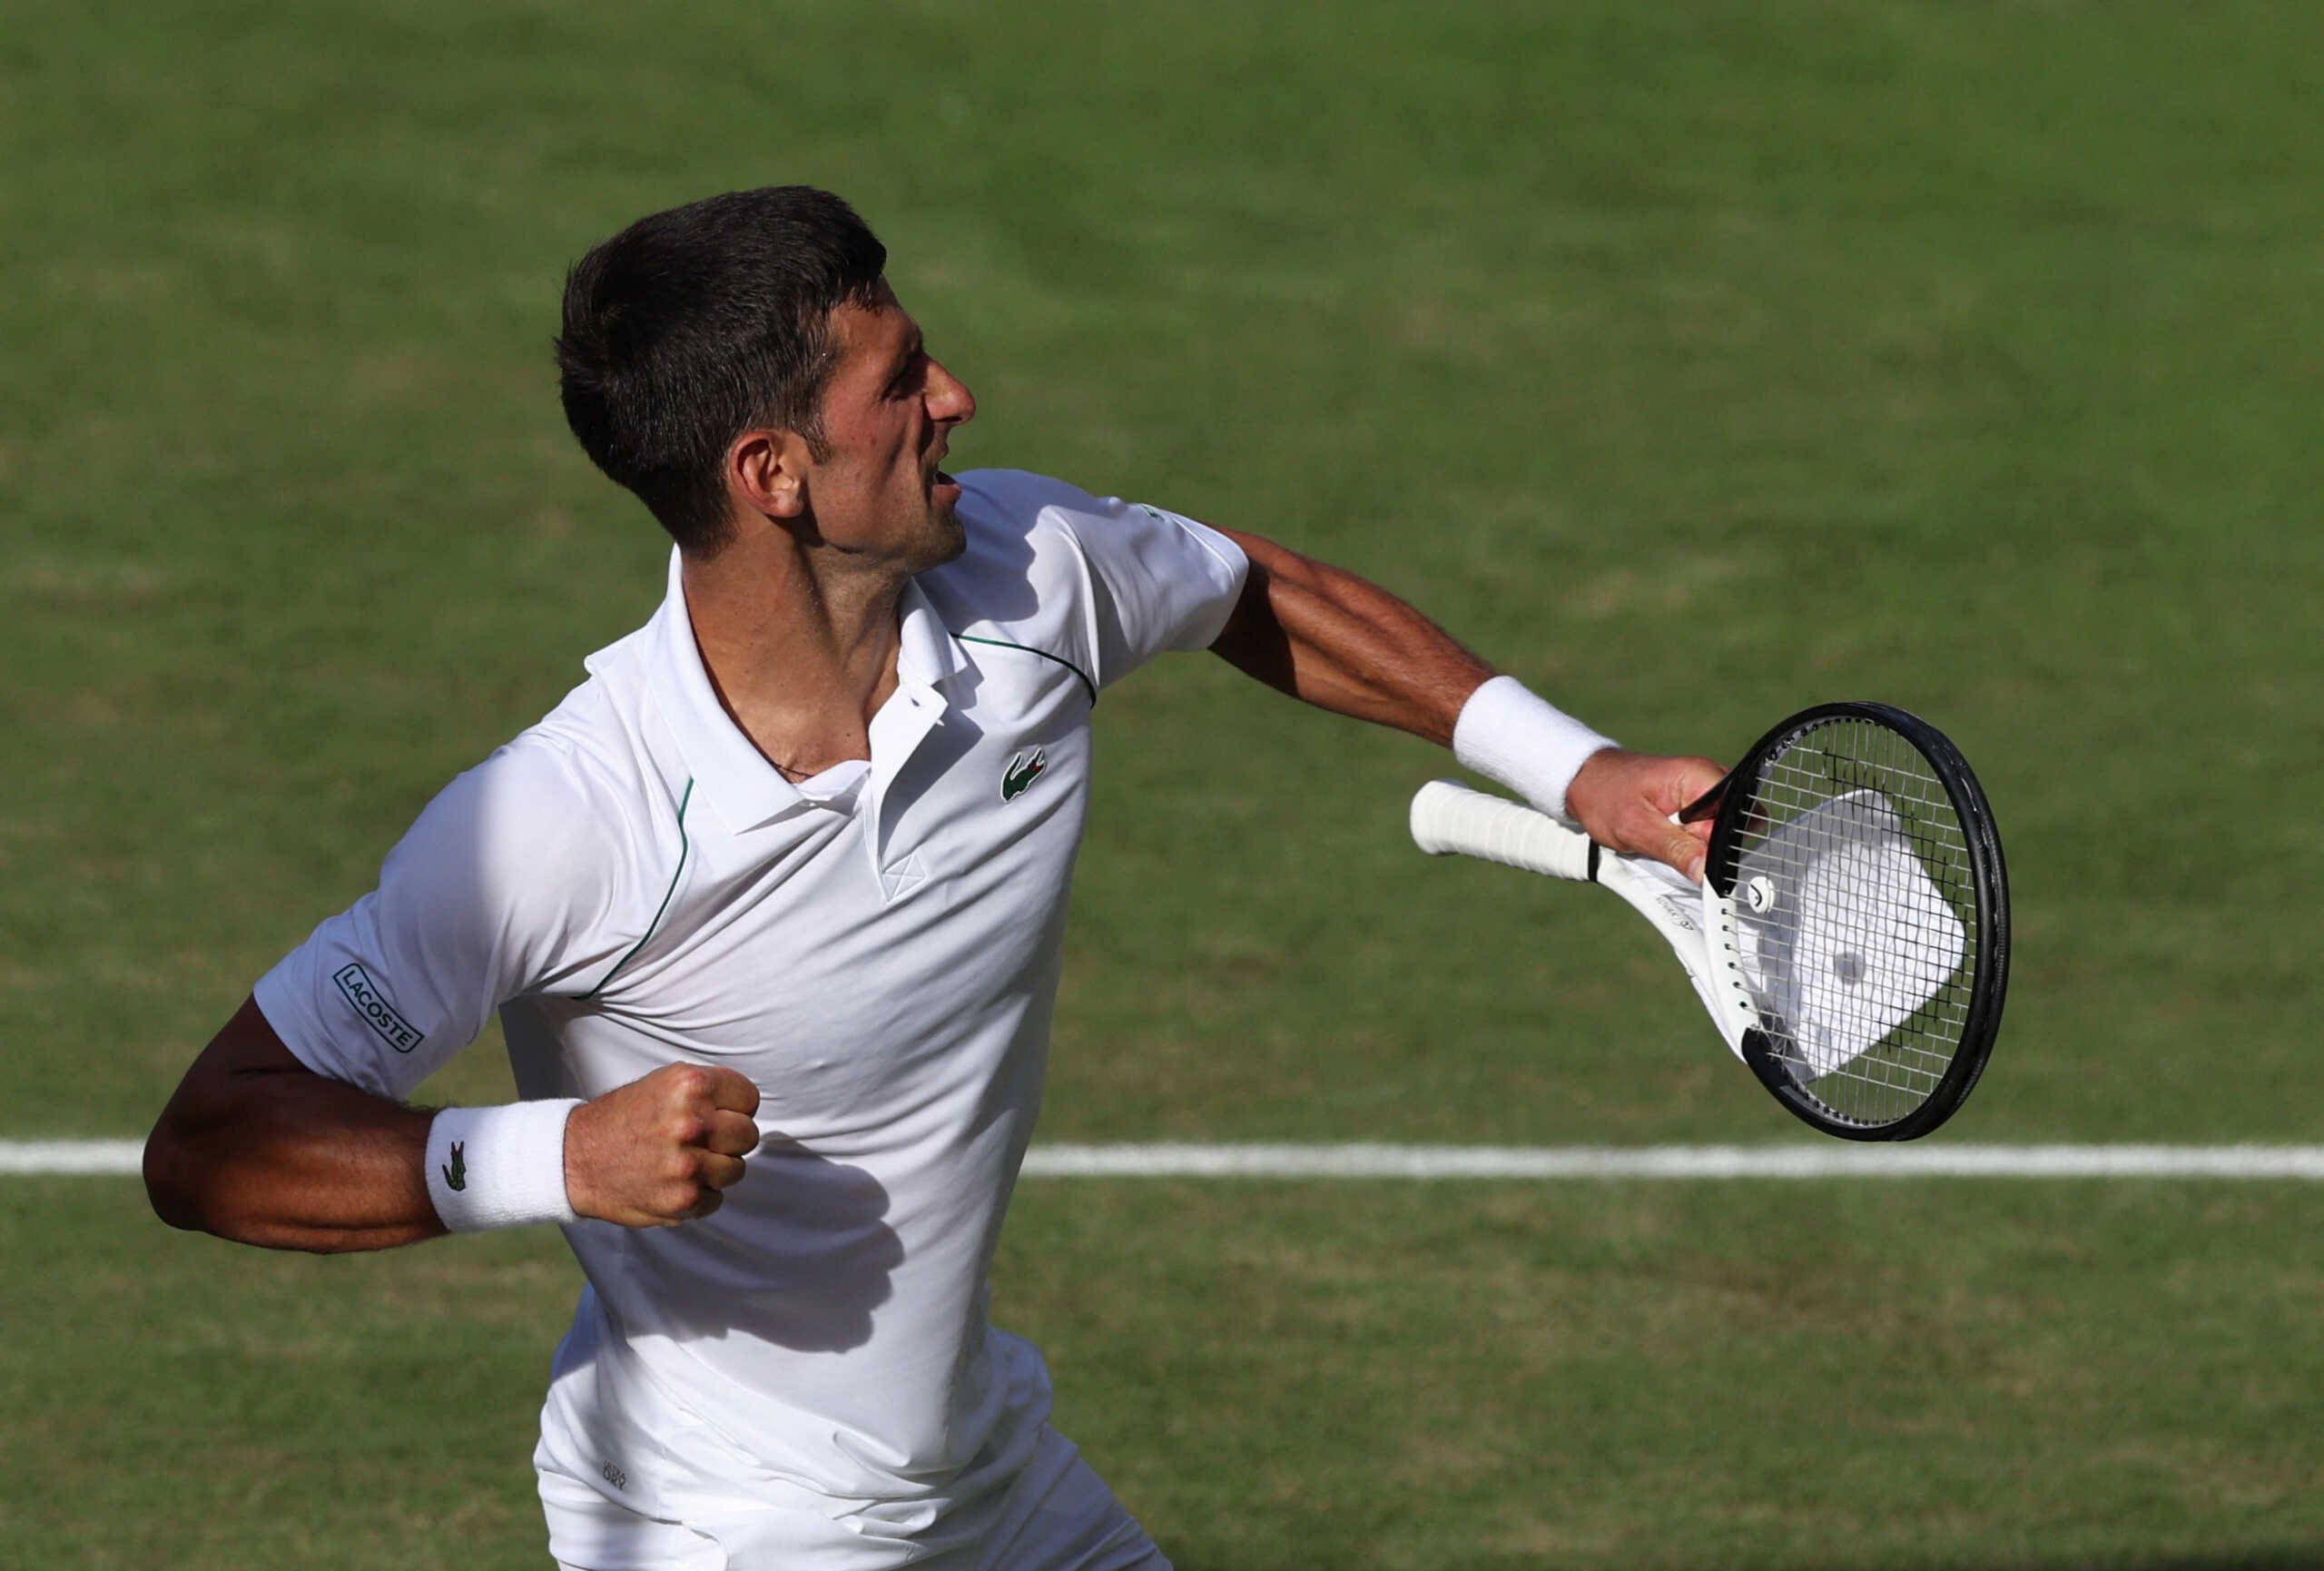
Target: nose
[{"x": 949, "y": 397}]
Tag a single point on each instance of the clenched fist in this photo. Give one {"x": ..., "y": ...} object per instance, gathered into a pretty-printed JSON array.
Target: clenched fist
[{"x": 657, "y": 1152}]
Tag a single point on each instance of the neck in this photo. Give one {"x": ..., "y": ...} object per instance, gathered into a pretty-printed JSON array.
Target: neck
[{"x": 800, "y": 647}]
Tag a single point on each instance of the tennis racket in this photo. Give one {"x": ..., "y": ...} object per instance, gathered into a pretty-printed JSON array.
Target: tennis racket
[{"x": 1850, "y": 938}]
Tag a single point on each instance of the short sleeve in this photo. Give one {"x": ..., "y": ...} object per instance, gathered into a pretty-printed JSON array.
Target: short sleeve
[
  {"x": 1099, "y": 582},
  {"x": 501, "y": 888},
  {"x": 1161, "y": 581}
]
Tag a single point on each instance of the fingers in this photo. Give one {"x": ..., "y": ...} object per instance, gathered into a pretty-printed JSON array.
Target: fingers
[
  {"x": 715, "y": 1171},
  {"x": 693, "y": 1187},
  {"x": 1646, "y": 832},
  {"x": 1683, "y": 852},
  {"x": 1626, "y": 801},
  {"x": 730, "y": 1135},
  {"x": 1677, "y": 783},
  {"x": 710, "y": 1107},
  {"x": 712, "y": 1127},
  {"x": 1703, "y": 808},
  {"x": 709, "y": 1096},
  {"x": 734, "y": 1092},
  {"x": 658, "y": 1150}
]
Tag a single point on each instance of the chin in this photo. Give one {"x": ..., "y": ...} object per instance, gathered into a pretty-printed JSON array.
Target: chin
[
  {"x": 945, "y": 540},
  {"x": 939, "y": 542}
]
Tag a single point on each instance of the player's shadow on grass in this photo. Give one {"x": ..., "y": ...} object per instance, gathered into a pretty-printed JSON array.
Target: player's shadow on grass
[{"x": 799, "y": 1254}]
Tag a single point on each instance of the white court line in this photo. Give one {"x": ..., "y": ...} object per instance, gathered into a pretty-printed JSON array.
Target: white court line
[
  {"x": 71, "y": 1156},
  {"x": 1832, "y": 1159}
]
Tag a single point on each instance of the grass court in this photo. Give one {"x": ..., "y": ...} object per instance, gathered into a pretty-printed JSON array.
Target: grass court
[{"x": 1695, "y": 362}]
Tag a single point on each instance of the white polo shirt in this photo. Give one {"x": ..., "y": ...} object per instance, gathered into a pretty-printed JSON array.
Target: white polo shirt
[{"x": 631, "y": 883}]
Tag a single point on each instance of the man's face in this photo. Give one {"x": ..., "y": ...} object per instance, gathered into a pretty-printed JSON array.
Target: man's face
[{"x": 887, "y": 413}]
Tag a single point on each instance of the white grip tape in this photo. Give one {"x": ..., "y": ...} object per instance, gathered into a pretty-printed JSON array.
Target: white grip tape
[
  {"x": 1448, "y": 816},
  {"x": 500, "y": 1167}
]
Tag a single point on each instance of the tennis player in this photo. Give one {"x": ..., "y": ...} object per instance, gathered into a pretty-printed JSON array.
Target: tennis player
[{"x": 771, "y": 909}]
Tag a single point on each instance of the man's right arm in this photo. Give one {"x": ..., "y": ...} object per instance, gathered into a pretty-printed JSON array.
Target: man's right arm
[{"x": 258, "y": 1147}]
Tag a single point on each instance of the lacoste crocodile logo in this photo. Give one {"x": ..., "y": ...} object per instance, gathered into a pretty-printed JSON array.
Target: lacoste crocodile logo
[
  {"x": 455, "y": 1173},
  {"x": 1023, "y": 769}
]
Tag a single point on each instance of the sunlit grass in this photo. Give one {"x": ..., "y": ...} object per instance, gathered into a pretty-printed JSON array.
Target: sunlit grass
[{"x": 1696, "y": 362}]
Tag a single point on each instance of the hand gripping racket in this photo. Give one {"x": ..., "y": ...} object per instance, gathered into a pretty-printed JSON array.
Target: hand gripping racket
[{"x": 1851, "y": 937}]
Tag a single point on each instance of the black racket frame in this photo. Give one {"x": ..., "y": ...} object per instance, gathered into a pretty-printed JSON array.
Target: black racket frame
[{"x": 1734, "y": 797}]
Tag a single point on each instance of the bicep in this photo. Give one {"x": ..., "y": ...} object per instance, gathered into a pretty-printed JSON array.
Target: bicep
[{"x": 245, "y": 1048}]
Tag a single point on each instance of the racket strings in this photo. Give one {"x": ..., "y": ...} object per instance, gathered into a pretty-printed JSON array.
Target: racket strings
[{"x": 1866, "y": 983}]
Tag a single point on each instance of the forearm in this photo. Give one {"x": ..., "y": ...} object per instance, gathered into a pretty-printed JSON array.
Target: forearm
[
  {"x": 258, "y": 1148},
  {"x": 1325, "y": 636}
]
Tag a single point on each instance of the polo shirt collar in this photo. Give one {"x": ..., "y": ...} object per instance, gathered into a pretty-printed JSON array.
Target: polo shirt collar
[{"x": 732, "y": 774}]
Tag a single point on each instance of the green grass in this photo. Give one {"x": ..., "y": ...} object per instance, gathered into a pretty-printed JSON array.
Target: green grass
[
  {"x": 1695, "y": 361},
  {"x": 1393, "y": 1376}
]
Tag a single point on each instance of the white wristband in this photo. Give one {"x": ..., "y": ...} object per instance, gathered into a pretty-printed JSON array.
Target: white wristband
[
  {"x": 1508, "y": 734},
  {"x": 500, "y": 1167}
]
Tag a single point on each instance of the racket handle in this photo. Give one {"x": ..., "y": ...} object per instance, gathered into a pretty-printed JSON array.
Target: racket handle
[{"x": 1450, "y": 817}]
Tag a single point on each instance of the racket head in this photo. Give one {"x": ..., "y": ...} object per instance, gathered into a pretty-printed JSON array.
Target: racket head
[{"x": 1876, "y": 1015}]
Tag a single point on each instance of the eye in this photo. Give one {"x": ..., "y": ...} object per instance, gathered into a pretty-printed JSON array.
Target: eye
[{"x": 909, "y": 380}]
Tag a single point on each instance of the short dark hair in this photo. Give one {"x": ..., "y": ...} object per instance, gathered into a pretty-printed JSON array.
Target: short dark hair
[{"x": 692, "y": 326}]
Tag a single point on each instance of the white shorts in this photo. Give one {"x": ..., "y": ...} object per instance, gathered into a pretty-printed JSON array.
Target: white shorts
[{"x": 1059, "y": 1516}]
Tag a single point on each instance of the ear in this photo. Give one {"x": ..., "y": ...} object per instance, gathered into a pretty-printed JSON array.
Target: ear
[{"x": 766, "y": 473}]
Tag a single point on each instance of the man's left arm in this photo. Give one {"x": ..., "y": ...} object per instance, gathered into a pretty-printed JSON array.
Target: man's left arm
[{"x": 1325, "y": 636}]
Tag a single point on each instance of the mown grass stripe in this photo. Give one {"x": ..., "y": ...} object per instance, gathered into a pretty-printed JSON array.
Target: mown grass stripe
[{"x": 1486, "y": 1161}]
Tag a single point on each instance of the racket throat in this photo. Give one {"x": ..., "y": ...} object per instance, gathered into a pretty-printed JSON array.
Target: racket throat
[{"x": 1727, "y": 992}]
